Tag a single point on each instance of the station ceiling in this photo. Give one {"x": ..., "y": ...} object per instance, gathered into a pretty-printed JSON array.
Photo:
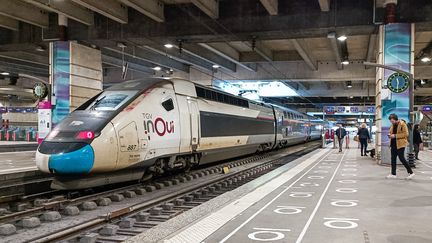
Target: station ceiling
[{"x": 291, "y": 41}]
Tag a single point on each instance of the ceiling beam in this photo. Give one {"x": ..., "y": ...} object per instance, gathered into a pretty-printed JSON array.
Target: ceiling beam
[
  {"x": 271, "y": 6},
  {"x": 261, "y": 50},
  {"x": 336, "y": 50},
  {"x": 278, "y": 56},
  {"x": 153, "y": 9},
  {"x": 108, "y": 8},
  {"x": 233, "y": 55},
  {"x": 324, "y": 5},
  {"x": 184, "y": 56},
  {"x": 9, "y": 23},
  {"x": 302, "y": 52},
  {"x": 24, "y": 12},
  {"x": 209, "y": 56},
  {"x": 149, "y": 56},
  {"x": 209, "y": 7},
  {"x": 370, "y": 55},
  {"x": 132, "y": 65},
  {"x": 14, "y": 65},
  {"x": 67, "y": 8},
  {"x": 364, "y": 84},
  {"x": 26, "y": 57}
]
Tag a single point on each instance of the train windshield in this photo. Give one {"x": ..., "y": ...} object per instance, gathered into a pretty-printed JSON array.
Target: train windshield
[{"x": 111, "y": 100}]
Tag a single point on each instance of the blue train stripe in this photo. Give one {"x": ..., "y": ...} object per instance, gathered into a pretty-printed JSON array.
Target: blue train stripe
[{"x": 77, "y": 162}]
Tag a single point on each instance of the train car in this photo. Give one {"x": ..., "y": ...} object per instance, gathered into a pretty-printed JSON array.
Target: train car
[{"x": 146, "y": 127}]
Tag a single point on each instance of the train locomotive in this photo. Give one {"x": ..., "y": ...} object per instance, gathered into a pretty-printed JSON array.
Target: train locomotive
[{"x": 141, "y": 128}]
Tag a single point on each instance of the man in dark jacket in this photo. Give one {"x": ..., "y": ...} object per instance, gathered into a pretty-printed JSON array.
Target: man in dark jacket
[
  {"x": 417, "y": 141},
  {"x": 340, "y": 134},
  {"x": 364, "y": 138},
  {"x": 398, "y": 135}
]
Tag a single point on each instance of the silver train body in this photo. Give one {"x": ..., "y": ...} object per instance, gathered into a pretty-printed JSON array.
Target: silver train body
[{"x": 140, "y": 128}]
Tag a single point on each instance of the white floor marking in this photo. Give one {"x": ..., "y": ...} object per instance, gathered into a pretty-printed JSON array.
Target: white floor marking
[
  {"x": 306, "y": 227},
  {"x": 332, "y": 223},
  {"x": 269, "y": 203},
  {"x": 425, "y": 164},
  {"x": 5, "y": 171},
  {"x": 301, "y": 194},
  {"x": 346, "y": 190},
  {"x": 288, "y": 209},
  {"x": 19, "y": 152},
  {"x": 344, "y": 203},
  {"x": 276, "y": 232},
  {"x": 347, "y": 181},
  {"x": 348, "y": 174}
]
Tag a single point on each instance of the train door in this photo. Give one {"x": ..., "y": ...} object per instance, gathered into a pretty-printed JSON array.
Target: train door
[{"x": 194, "y": 123}]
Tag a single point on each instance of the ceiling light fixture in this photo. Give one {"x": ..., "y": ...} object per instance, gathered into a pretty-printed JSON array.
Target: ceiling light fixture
[
  {"x": 342, "y": 38},
  {"x": 349, "y": 84},
  {"x": 216, "y": 66},
  {"x": 422, "y": 82},
  {"x": 5, "y": 73},
  {"x": 157, "y": 68},
  {"x": 169, "y": 46},
  {"x": 346, "y": 62},
  {"x": 121, "y": 44},
  {"x": 40, "y": 48},
  {"x": 426, "y": 59}
]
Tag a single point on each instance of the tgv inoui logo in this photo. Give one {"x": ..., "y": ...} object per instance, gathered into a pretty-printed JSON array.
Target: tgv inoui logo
[{"x": 158, "y": 125}]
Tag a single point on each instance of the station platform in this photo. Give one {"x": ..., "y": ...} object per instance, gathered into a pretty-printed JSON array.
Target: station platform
[
  {"x": 16, "y": 146},
  {"x": 16, "y": 162},
  {"x": 325, "y": 196}
]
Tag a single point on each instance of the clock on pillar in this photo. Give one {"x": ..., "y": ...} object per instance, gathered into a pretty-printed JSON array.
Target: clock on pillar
[
  {"x": 398, "y": 82},
  {"x": 40, "y": 90}
]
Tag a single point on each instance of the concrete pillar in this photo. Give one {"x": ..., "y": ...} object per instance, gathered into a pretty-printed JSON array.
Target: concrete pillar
[
  {"x": 378, "y": 89},
  {"x": 75, "y": 76},
  {"x": 85, "y": 74},
  {"x": 395, "y": 50}
]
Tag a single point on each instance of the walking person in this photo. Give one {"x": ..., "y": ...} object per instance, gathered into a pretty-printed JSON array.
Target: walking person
[
  {"x": 398, "y": 135},
  {"x": 340, "y": 134},
  {"x": 364, "y": 138},
  {"x": 417, "y": 141}
]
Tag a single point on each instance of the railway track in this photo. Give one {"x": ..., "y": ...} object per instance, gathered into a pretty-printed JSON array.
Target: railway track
[{"x": 108, "y": 216}]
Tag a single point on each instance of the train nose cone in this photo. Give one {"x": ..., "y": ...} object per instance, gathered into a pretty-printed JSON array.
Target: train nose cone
[{"x": 76, "y": 162}]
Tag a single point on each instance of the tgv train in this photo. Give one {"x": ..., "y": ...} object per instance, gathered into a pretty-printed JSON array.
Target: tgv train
[{"x": 140, "y": 128}]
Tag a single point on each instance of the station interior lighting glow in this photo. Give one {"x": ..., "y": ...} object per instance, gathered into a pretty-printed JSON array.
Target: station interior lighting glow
[
  {"x": 4, "y": 73},
  {"x": 349, "y": 84},
  {"x": 426, "y": 59},
  {"x": 216, "y": 66},
  {"x": 342, "y": 38},
  {"x": 169, "y": 46},
  {"x": 157, "y": 68},
  {"x": 346, "y": 62}
]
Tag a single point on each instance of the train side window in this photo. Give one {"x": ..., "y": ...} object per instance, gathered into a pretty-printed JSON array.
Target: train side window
[{"x": 168, "y": 104}]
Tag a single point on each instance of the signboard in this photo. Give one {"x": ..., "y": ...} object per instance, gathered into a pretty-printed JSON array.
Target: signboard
[
  {"x": 354, "y": 109},
  {"x": 349, "y": 109},
  {"x": 44, "y": 120}
]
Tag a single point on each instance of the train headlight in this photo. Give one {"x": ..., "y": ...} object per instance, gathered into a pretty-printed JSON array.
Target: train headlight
[{"x": 85, "y": 135}]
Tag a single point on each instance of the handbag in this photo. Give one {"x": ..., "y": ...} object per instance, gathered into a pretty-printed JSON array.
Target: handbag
[{"x": 356, "y": 138}]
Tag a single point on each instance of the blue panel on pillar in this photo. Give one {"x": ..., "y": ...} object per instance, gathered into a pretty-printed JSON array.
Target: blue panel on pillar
[
  {"x": 60, "y": 72},
  {"x": 397, "y": 53}
]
